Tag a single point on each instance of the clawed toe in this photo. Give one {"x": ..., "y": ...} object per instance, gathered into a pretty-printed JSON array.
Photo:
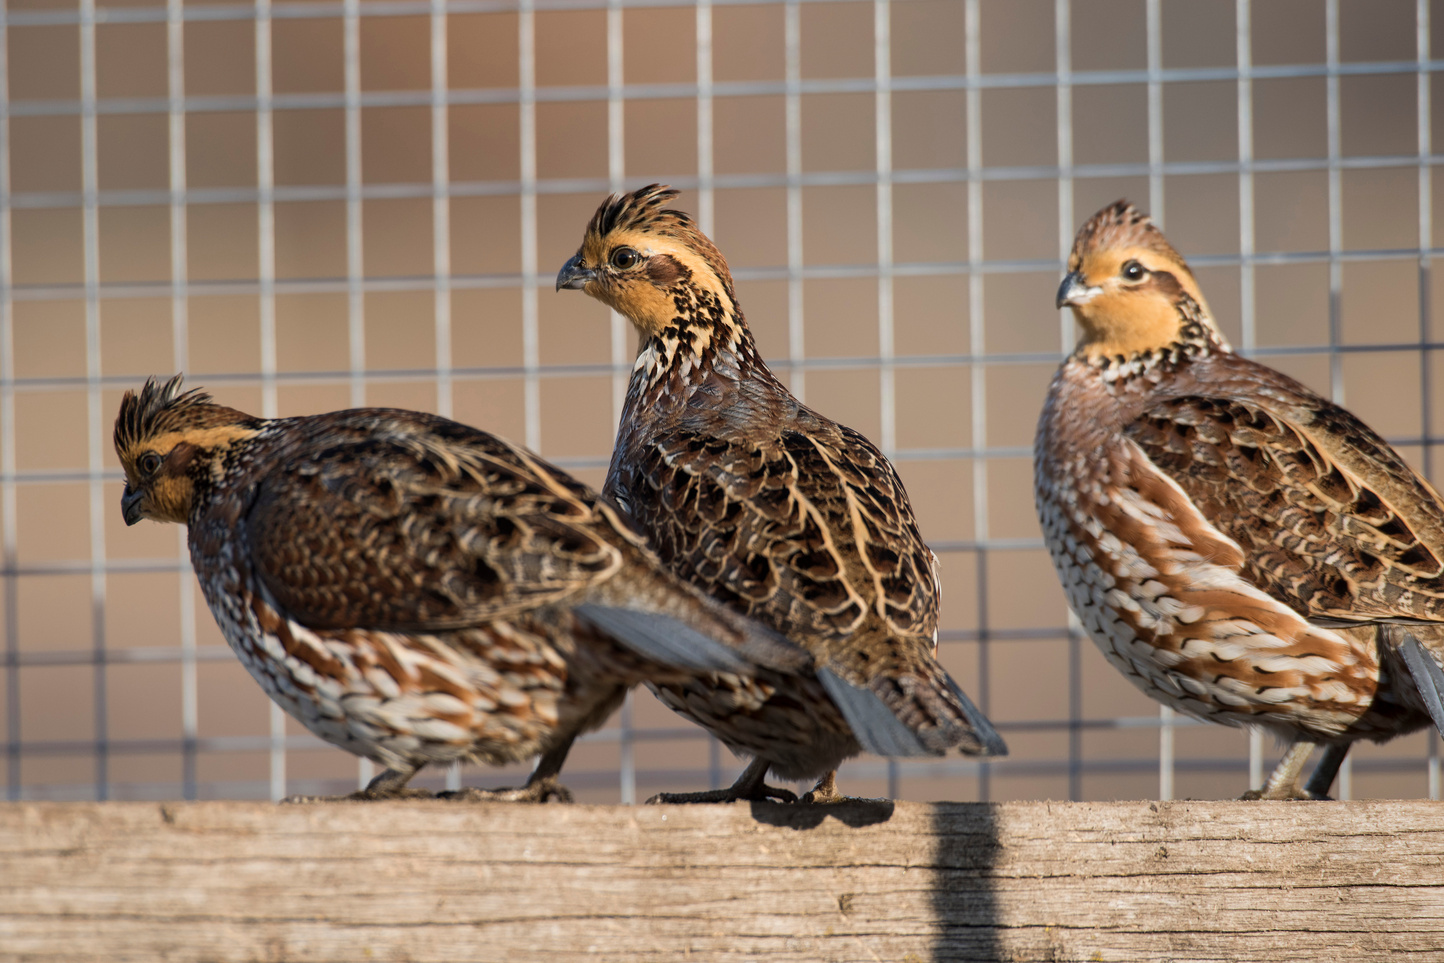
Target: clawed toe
[
  {"x": 823, "y": 798},
  {"x": 763, "y": 793},
  {"x": 363, "y": 795},
  {"x": 538, "y": 792}
]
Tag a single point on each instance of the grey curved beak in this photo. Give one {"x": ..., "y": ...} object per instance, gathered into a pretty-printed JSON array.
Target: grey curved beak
[
  {"x": 1072, "y": 290},
  {"x": 574, "y": 274},
  {"x": 130, "y": 506}
]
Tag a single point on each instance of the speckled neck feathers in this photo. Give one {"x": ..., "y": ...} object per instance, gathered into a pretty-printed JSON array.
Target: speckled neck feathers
[
  {"x": 704, "y": 355},
  {"x": 1196, "y": 338}
]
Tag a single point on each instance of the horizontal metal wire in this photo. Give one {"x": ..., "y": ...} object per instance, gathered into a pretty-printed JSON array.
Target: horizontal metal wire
[
  {"x": 685, "y": 91},
  {"x": 47, "y": 200},
  {"x": 505, "y": 372},
  {"x": 307, "y": 9},
  {"x": 305, "y": 741},
  {"x": 199, "y": 289}
]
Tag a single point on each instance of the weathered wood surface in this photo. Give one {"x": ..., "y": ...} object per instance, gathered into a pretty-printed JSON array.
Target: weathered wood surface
[{"x": 860, "y": 882}]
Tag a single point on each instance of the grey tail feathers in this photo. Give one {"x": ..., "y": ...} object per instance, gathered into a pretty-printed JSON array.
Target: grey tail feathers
[
  {"x": 873, "y": 722},
  {"x": 672, "y": 642},
  {"x": 880, "y": 731},
  {"x": 984, "y": 740},
  {"x": 1428, "y": 678}
]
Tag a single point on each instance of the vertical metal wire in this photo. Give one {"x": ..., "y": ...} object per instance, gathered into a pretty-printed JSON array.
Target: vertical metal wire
[
  {"x": 1336, "y": 194},
  {"x": 266, "y": 273},
  {"x": 616, "y": 172},
  {"x": 887, "y": 374},
  {"x": 1432, "y": 766},
  {"x": 95, "y": 419},
  {"x": 1063, "y": 65},
  {"x": 530, "y": 334},
  {"x": 1243, "y": 46},
  {"x": 355, "y": 252},
  {"x": 706, "y": 206},
  {"x": 792, "y": 54},
  {"x": 1423, "y": 107},
  {"x": 616, "y": 179},
  {"x": 441, "y": 236},
  {"x": 180, "y": 348},
  {"x": 882, "y": 100},
  {"x": 441, "y": 207},
  {"x": 1153, "y": 28},
  {"x": 977, "y": 347},
  {"x": 1336, "y": 245},
  {"x": 365, "y": 770},
  {"x": 705, "y": 161},
  {"x": 9, "y": 514}
]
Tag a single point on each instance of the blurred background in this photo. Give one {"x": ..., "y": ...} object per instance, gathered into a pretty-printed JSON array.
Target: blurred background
[{"x": 318, "y": 204}]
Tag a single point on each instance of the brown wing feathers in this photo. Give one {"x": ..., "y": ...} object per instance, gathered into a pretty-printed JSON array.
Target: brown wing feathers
[{"x": 1326, "y": 509}]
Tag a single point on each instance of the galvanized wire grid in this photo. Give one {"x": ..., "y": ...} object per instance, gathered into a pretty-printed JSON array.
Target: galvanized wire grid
[{"x": 885, "y": 365}]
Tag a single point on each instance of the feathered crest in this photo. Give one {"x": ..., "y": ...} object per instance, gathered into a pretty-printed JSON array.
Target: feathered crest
[
  {"x": 640, "y": 210},
  {"x": 1120, "y": 224},
  {"x": 159, "y": 408}
]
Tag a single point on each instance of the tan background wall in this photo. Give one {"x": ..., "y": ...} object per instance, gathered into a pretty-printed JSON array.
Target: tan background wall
[{"x": 384, "y": 347}]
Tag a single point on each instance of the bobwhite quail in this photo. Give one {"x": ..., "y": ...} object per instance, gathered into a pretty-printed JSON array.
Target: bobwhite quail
[
  {"x": 419, "y": 592},
  {"x": 779, "y": 512},
  {"x": 1242, "y": 549}
]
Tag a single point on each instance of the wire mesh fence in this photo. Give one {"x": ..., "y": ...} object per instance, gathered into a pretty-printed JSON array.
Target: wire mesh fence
[{"x": 311, "y": 205}]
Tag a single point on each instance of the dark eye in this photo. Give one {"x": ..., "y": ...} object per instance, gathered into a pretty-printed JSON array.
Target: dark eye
[
  {"x": 625, "y": 257},
  {"x": 1133, "y": 271},
  {"x": 149, "y": 463}
]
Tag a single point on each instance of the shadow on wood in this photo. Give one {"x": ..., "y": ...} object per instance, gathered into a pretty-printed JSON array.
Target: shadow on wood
[{"x": 860, "y": 882}]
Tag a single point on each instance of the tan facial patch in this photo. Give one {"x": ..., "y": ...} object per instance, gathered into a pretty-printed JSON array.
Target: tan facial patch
[
  {"x": 168, "y": 491},
  {"x": 640, "y": 292},
  {"x": 1124, "y": 317}
]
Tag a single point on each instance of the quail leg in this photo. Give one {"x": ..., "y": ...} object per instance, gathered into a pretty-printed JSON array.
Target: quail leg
[
  {"x": 1283, "y": 782},
  {"x": 1322, "y": 780},
  {"x": 391, "y": 784},
  {"x": 825, "y": 791},
  {"x": 541, "y": 786},
  {"x": 751, "y": 785}
]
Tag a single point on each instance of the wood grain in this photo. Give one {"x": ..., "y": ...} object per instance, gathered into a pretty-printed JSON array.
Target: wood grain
[{"x": 865, "y": 882}]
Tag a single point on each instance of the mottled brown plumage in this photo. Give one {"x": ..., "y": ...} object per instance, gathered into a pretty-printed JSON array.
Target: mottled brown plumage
[
  {"x": 419, "y": 592},
  {"x": 1243, "y": 549},
  {"x": 778, "y": 511}
]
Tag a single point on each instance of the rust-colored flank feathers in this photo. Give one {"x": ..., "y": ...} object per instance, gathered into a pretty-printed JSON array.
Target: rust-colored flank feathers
[
  {"x": 419, "y": 592},
  {"x": 1241, "y": 548},
  {"x": 772, "y": 508}
]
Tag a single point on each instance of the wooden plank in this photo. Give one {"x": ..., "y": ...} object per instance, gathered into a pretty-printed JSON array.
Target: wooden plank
[{"x": 862, "y": 882}]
